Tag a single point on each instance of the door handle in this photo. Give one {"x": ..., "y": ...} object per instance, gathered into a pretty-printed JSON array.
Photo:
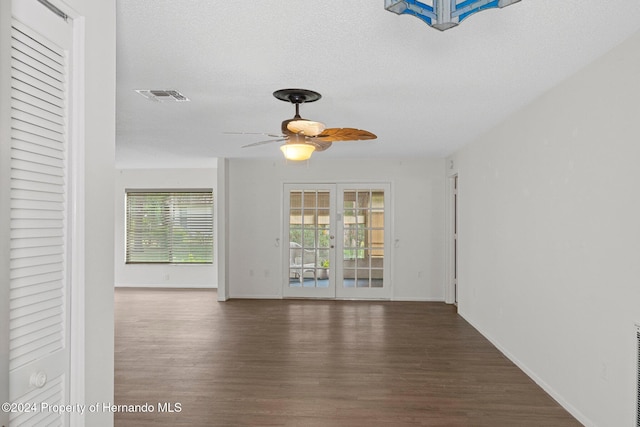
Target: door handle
[{"x": 38, "y": 379}]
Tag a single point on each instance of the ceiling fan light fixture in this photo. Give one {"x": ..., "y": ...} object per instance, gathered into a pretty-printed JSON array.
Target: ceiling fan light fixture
[
  {"x": 306, "y": 127},
  {"x": 297, "y": 152}
]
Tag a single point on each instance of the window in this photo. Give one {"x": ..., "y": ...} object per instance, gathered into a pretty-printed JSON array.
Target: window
[{"x": 169, "y": 227}]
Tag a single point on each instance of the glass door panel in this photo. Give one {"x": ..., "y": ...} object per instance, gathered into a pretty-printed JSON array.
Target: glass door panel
[
  {"x": 364, "y": 269},
  {"x": 309, "y": 221},
  {"x": 337, "y": 246}
]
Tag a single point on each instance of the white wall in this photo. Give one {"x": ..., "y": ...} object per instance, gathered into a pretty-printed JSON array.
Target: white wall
[
  {"x": 221, "y": 221},
  {"x": 255, "y": 218},
  {"x": 147, "y": 275},
  {"x": 549, "y": 236}
]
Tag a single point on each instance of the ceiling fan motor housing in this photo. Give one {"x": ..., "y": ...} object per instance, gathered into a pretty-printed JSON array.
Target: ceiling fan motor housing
[{"x": 297, "y": 96}]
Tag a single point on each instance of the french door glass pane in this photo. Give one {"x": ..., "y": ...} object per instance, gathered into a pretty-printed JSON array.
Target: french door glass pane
[
  {"x": 363, "y": 238},
  {"x": 295, "y": 199},
  {"x": 324, "y": 201},
  {"x": 309, "y": 238}
]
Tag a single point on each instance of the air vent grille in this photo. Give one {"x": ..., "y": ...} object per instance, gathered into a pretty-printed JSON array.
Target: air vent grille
[{"x": 163, "y": 95}]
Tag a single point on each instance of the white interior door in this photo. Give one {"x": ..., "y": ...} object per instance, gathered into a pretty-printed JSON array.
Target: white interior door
[
  {"x": 337, "y": 241},
  {"x": 40, "y": 213}
]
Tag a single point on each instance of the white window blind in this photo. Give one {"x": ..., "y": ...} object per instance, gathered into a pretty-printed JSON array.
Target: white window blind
[{"x": 169, "y": 227}]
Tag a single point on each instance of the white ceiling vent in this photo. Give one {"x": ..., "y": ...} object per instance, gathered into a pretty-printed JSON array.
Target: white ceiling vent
[{"x": 163, "y": 95}]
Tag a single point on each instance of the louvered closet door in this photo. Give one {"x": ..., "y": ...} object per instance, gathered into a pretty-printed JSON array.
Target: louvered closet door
[{"x": 39, "y": 248}]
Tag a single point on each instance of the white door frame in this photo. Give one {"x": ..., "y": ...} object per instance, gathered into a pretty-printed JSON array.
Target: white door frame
[
  {"x": 5, "y": 211},
  {"x": 452, "y": 255}
]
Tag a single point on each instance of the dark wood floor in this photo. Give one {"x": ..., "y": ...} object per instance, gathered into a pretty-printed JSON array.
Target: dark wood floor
[{"x": 313, "y": 363}]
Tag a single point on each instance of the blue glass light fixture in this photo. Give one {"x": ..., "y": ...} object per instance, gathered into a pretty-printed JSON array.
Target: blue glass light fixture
[{"x": 443, "y": 14}]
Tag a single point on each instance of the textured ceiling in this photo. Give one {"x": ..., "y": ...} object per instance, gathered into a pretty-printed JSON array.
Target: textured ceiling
[{"x": 422, "y": 91}]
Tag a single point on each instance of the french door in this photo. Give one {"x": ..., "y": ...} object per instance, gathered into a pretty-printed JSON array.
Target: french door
[{"x": 337, "y": 241}]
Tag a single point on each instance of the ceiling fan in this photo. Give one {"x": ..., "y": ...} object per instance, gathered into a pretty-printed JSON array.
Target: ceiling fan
[{"x": 302, "y": 137}]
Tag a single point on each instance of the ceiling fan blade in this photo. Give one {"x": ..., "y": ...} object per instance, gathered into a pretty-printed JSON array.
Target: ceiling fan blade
[
  {"x": 268, "y": 141},
  {"x": 345, "y": 134},
  {"x": 255, "y": 133}
]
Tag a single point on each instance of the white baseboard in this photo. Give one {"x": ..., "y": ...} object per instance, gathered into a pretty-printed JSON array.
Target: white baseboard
[
  {"x": 531, "y": 374},
  {"x": 340, "y": 299},
  {"x": 163, "y": 285},
  {"x": 255, "y": 297}
]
